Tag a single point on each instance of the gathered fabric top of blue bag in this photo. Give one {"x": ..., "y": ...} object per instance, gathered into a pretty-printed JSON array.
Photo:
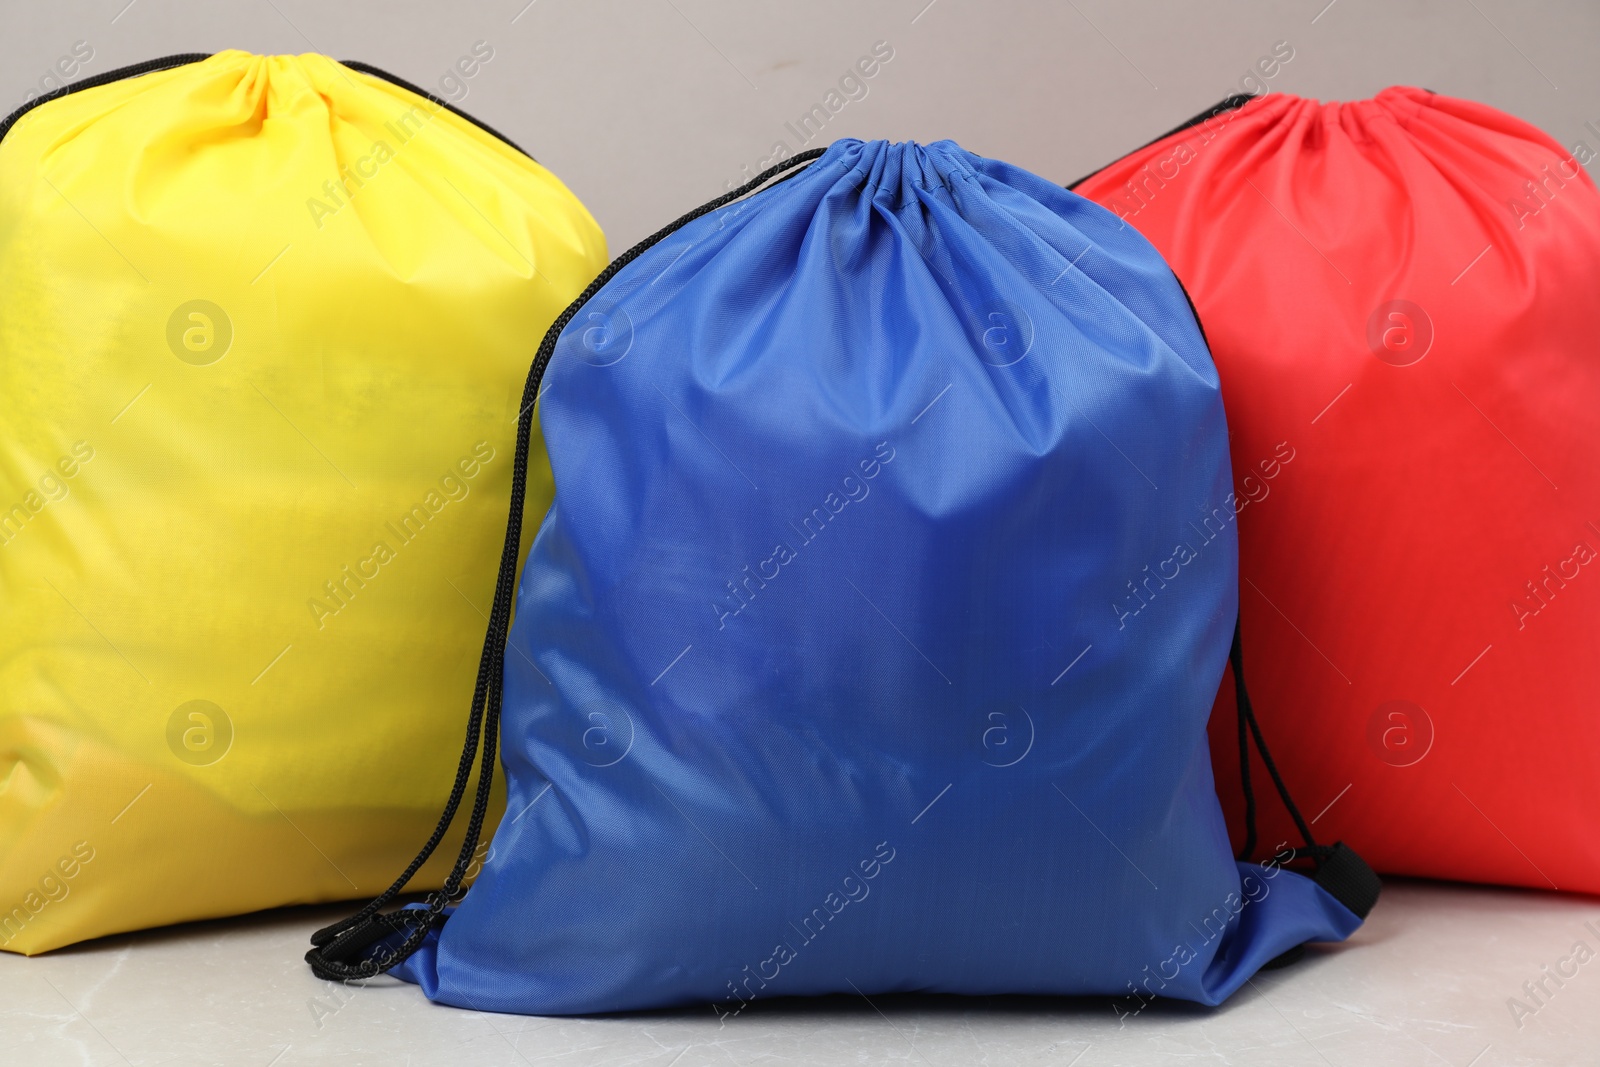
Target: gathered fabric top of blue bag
[{"x": 870, "y": 641}]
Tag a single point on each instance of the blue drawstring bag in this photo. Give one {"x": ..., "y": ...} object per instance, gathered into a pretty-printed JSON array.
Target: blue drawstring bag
[{"x": 869, "y": 643}]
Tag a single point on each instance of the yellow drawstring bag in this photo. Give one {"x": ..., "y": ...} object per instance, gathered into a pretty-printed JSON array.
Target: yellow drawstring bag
[{"x": 264, "y": 325}]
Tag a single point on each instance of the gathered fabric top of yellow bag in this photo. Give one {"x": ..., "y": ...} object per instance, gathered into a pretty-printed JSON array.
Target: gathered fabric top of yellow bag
[{"x": 264, "y": 328}]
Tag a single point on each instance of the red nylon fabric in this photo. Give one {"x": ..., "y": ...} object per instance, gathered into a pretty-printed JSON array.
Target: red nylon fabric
[{"x": 1403, "y": 298}]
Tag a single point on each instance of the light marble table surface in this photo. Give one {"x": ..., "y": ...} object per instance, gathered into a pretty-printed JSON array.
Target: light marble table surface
[{"x": 1429, "y": 980}]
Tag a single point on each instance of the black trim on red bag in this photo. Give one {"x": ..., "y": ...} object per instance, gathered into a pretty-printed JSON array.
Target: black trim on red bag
[
  {"x": 1231, "y": 103},
  {"x": 339, "y": 950}
]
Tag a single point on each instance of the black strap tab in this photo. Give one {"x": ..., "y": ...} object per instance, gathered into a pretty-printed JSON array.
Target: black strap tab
[{"x": 1347, "y": 878}]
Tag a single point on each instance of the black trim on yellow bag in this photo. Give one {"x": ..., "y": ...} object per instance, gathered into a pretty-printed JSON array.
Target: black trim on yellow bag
[
  {"x": 368, "y": 68},
  {"x": 149, "y": 66}
]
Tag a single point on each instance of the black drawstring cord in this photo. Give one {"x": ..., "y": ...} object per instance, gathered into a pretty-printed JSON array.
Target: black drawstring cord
[
  {"x": 335, "y": 946},
  {"x": 1336, "y": 867},
  {"x": 1249, "y": 727},
  {"x": 1240, "y": 698}
]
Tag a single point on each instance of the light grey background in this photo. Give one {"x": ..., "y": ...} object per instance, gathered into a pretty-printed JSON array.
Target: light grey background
[{"x": 646, "y": 108}]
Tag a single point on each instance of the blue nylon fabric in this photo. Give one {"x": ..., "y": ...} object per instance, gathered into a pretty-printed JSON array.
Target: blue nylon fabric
[{"x": 870, "y": 641}]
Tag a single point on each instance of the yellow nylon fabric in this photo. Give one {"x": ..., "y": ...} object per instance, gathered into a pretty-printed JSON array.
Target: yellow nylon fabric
[{"x": 264, "y": 325}]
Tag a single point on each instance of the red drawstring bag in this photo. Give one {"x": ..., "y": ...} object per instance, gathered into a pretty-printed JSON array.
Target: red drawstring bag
[{"x": 1403, "y": 298}]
